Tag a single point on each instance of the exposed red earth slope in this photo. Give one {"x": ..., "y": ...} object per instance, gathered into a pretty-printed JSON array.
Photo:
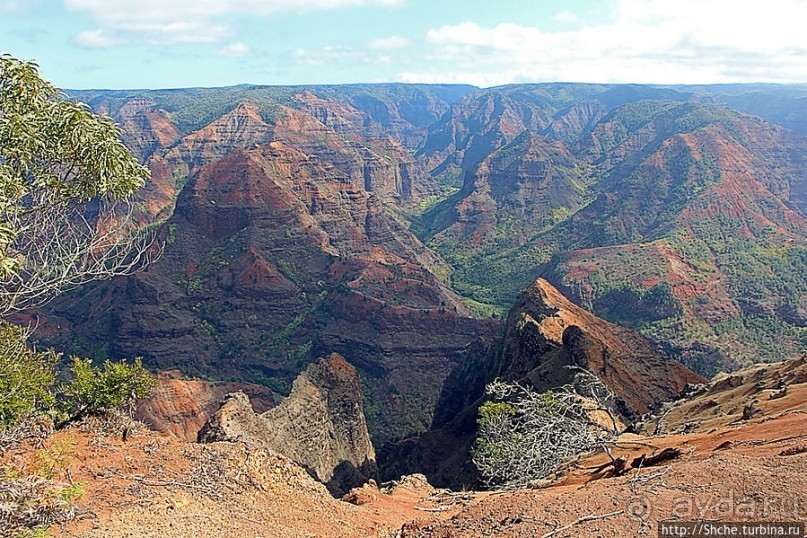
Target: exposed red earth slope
[
  {"x": 180, "y": 406},
  {"x": 729, "y": 470}
]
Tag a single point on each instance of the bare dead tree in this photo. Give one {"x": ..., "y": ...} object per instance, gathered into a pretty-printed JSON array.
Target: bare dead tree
[
  {"x": 524, "y": 435},
  {"x": 61, "y": 246}
]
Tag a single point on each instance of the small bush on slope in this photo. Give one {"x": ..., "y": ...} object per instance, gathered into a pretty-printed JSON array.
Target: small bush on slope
[
  {"x": 27, "y": 377},
  {"x": 28, "y": 383},
  {"x": 524, "y": 436}
]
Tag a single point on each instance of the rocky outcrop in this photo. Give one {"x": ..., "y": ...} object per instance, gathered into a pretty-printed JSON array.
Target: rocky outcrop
[
  {"x": 180, "y": 406},
  {"x": 319, "y": 426},
  {"x": 546, "y": 337}
]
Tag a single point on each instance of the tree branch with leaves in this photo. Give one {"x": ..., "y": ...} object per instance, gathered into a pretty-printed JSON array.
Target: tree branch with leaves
[
  {"x": 66, "y": 182},
  {"x": 66, "y": 218}
]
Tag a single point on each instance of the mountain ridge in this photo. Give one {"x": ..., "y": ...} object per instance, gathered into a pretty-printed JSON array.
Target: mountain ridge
[
  {"x": 299, "y": 221},
  {"x": 546, "y": 340}
]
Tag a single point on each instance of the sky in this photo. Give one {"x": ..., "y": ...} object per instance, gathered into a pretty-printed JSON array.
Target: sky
[{"x": 126, "y": 44}]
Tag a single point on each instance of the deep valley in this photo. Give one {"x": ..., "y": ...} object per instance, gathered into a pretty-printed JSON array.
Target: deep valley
[{"x": 397, "y": 224}]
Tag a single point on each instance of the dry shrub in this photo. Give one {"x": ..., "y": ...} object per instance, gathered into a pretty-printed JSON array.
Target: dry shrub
[
  {"x": 32, "y": 502},
  {"x": 524, "y": 436},
  {"x": 115, "y": 423},
  {"x": 32, "y": 499},
  {"x": 30, "y": 428}
]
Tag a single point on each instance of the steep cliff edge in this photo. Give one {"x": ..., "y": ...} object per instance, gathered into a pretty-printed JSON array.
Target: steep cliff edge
[
  {"x": 319, "y": 426},
  {"x": 546, "y": 334},
  {"x": 545, "y": 338},
  {"x": 741, "y": 436},
  {"x": 180, "y": 406}
]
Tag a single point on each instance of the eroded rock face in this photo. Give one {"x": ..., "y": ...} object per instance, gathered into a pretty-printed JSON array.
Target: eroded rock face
[
  {"x": 286, "y": 233},
  {"x": 546, "y": 336},
  {"x": 180, "y": 407},
  {"x": 283, "y": 251},
  {"x": 146, "y": 127},
  {"x": 320, "y": 425},
  {"x": 546, "y": 333},
  {"x": 523, "y": 186}
]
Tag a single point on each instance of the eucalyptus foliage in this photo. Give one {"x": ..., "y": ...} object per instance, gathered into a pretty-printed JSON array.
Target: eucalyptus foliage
[
  {"x": 65, "y": 182},
  {"x": 62, "y": 170}
]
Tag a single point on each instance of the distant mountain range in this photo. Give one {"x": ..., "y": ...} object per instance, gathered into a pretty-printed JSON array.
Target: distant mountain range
[
  {"x": 396, "y": 225},
  {"x": 677, "y": 217}
]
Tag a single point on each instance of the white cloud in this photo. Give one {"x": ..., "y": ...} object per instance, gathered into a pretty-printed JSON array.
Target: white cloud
[
  {"x": 565, "y": 16},
  {"x": 687, "y": 41},
  {"x": 234, "y": 50},
  {"x": 170, "y": 21},
  {"x": 337, "y": 54},
  {"x": 327, "y": 55},
  {"x": 389, "y": 43},
  {"x": 159, "y": 33},
  {"x": 10, "y": 6}
]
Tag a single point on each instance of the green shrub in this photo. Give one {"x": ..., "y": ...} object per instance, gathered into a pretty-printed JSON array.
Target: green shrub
[
  {"x": 28, "y": 382},
  {"x": 26, "y": 376},
  {"x": 95, "y": 390}
]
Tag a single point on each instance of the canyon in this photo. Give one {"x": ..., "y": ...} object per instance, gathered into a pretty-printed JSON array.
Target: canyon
[
  {"x": 342, "y": 271},
  {"x": 397, "y": 224}
]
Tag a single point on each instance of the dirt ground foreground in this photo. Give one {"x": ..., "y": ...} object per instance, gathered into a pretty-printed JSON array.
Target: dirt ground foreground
[{"x": 730, "y": 468}]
